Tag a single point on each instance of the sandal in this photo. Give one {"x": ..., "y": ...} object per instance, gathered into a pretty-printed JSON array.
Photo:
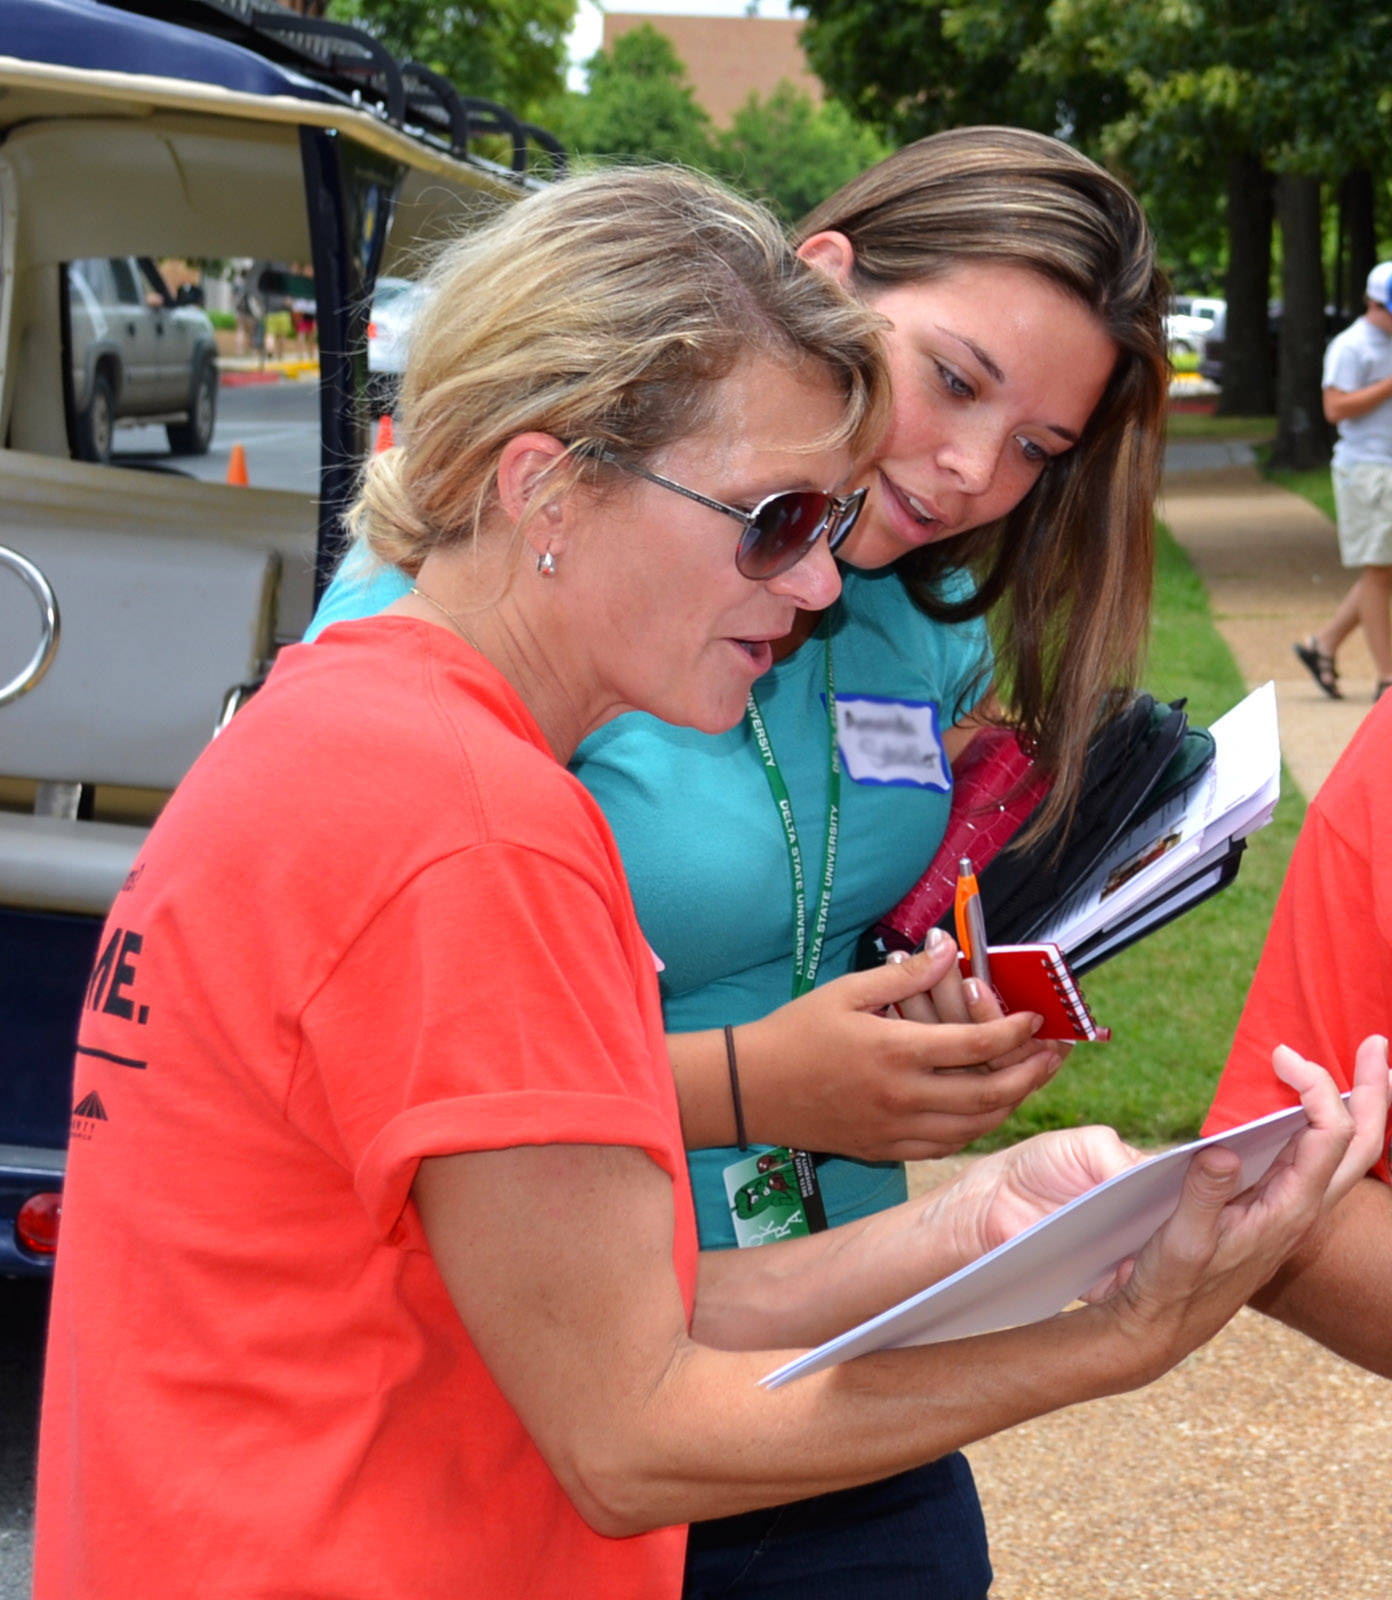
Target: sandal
[{"x": 1320, "y": 667}]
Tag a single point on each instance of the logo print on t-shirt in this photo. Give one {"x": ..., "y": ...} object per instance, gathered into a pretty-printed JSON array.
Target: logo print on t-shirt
[
  {"x": 111, "y": 992},
  {"x": 88, "y": 1111}
]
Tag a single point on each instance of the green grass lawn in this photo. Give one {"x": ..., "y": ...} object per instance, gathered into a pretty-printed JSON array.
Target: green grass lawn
[
  {"x": 1202, "y": 425},
  {"x": 1173, "y": 1000},
  {"x": 1316, "y": 485}
]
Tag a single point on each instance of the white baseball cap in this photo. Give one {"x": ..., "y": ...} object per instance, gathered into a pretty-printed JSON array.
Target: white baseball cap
[{"x": 1380, "y": 283}]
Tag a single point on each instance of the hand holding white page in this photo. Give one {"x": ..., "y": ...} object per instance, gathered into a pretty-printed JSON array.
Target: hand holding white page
[{"x": 1048, "y": 1266}]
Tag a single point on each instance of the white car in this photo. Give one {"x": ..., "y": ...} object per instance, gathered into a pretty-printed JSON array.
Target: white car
[
  {"x": 1192, "y": 321},
  {"x": 395, "y": 302}
]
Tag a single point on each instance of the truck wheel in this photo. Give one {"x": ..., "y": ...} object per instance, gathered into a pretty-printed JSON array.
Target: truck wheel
[
  {"x": 193, "y": 437},
  {"x": 95, "y": 424}
]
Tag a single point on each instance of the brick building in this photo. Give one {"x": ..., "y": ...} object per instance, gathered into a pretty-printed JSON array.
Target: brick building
[{"x": 728, "y": 58}]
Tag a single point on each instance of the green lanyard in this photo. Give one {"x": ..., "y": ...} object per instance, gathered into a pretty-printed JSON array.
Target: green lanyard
[{"x": 806, "y": 956}]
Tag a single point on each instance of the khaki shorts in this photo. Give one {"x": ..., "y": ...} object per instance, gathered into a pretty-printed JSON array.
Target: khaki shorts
[{"x": 1363, "y": 499}]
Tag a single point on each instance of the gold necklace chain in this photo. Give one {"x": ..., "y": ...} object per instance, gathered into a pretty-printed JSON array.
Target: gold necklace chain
[{"x": 445, "y": 611}]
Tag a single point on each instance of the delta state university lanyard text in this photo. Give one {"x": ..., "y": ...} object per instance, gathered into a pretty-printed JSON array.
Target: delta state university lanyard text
[{"x": 807, "y": 954}]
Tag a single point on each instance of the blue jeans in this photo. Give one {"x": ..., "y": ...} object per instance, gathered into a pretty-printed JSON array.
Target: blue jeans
[{"x": 918, "y": 1536}]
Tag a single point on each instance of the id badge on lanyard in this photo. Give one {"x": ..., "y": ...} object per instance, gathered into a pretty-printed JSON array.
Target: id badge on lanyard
[{"x": 774, "y": 1194}]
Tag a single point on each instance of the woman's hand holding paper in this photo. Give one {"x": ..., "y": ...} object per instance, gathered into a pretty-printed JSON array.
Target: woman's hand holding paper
[
  {"x": 1220, "y": 1246},
  {"x": 1368, "y": 1105},
  {"x": 1004, "y": 1193}
]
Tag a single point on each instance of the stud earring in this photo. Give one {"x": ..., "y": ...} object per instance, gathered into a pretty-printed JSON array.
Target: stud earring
[{"x": 546, "y": 564}]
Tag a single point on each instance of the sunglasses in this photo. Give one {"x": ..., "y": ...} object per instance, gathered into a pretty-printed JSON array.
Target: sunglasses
[{"x": 781, "y": 529}]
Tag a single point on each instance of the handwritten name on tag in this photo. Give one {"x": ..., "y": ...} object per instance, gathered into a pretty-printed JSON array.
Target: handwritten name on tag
[{"x": 892, "y": 741}]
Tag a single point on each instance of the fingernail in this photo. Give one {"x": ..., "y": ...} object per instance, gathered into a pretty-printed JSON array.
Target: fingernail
[
  {"x": 972, "y": 989},
  {"x": 935, "y": 940},
  {"x": 895, "y": 957},
  {"x": 1036, "y": 1023}
]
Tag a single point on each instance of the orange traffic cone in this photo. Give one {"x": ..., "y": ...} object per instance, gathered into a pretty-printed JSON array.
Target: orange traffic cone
[
  {"x": 385, "y": 438},
  {"x": 236, "y": 466}
]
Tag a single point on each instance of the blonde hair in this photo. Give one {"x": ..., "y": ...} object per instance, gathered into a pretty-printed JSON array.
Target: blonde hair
[
  {"x": 1068, "y": 572},
  {"x": 602, "y": 311}
]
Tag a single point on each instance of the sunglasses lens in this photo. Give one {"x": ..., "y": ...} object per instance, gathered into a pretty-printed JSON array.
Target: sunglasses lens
[{"x": 784, "y": 529}]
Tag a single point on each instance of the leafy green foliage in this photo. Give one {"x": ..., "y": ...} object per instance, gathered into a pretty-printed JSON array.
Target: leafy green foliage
[
  {"x": 791, "y": 153},
  {"x": 781, "y": 149},
  {"x": 640, "y": 103},
  {"x": 1205, "y": 425},
  {"x": 1297, "y": 82},
  {"x": 1173, "y": 999},
  {"x": 513, "y": 51},
  {"x": 912, "y": 67},
  {"x": 1314, "y": 485}
]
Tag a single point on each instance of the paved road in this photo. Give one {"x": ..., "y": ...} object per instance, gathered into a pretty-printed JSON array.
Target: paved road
[{"x": 277, "y": 425}]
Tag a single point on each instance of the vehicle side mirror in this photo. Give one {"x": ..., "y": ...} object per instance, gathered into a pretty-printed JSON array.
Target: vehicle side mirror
[{"x": 189, "y": 294}]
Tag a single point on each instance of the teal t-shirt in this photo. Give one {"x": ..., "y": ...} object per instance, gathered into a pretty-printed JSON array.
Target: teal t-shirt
[
  {"x": 360, "y": 588},
  {"x": 703, "y": 845}
]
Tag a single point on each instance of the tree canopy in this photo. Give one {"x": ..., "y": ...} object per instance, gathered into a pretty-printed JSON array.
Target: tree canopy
[
  {"x": 791, "y": 153},
  {"x": 639, "y": 103},
  {"x": 780, "y": 148},
  {"x": 513, "y": 51}
]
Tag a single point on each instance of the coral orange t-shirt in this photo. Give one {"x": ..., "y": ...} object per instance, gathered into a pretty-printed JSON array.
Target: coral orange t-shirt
[
  {"x": 376, "y": 922},
  {"x": 1324, "y": 982}
]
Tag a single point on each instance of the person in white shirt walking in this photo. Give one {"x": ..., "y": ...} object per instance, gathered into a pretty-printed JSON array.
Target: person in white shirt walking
[{"x": 1358, "y": 400}]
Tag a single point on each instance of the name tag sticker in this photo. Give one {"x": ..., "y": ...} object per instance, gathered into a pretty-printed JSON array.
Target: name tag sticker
[{"x": 892, "y": 742}]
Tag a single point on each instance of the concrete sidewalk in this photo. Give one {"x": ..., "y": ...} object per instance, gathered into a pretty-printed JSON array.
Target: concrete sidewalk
[
  {"x": 1270, "y": 564},
  {"x": 238, "y": 370}
]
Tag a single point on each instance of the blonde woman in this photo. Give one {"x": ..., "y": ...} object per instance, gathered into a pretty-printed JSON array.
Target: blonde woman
[{"x": 1018, "y": 473}]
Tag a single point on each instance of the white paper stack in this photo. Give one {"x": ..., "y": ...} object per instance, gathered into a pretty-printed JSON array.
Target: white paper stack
[{"x": 1044, "y": 1269}]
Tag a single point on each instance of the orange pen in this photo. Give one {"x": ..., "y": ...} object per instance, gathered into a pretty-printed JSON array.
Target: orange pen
[{"x": 970, "y": 921}]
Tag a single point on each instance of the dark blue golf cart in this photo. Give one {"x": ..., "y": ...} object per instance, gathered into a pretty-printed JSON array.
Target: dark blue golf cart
[{"x": 137, "y": 607}]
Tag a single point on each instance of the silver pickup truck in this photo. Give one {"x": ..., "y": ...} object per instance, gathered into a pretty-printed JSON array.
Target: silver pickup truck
[
  {"x": 139, "y": 351},
  {"x": 136, "y": 607}
]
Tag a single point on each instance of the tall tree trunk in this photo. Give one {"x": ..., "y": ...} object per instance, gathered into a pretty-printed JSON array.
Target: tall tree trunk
[
  {"x": 1249, "y": 387},
  {"x": 1302, "y": 434},
  {"x": 1357, "y": 240}
]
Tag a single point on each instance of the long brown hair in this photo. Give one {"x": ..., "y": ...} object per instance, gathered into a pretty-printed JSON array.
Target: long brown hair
[{"x": 1067, "y": 574}]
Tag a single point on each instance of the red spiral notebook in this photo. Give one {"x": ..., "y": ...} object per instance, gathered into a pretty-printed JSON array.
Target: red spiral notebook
[{"x": 1036, "y": 977}]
